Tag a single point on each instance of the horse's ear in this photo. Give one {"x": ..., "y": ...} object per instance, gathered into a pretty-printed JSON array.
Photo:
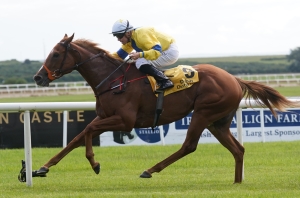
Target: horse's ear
[
  {"x": 65, "y": 38},
  {"x": 72, "y": 36},
  {"x": 69, "y": 40}
]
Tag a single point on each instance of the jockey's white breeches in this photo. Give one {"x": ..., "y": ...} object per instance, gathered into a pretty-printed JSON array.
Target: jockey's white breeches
[{"x": 167, "y": 57}]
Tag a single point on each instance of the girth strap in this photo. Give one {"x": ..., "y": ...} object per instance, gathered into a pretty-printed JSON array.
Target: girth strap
[{"x": 159, "y": 107}]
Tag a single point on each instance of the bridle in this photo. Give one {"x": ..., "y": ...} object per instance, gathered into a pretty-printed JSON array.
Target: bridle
[{"x": 59, "y": 72}]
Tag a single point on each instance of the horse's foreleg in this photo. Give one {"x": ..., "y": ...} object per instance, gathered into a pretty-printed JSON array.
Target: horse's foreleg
[
  {"x": 98, "y": 126},
  {"x": 95, "y": 128},
  {"x": 76, "y": 142},
  {"x": 89, "y": 154},
  {"x": 194, "y": 132}
]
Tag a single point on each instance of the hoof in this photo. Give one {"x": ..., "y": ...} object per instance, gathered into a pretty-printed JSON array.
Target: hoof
[
  {"x": 38, "y": 173},
  {"x": 97, "y": 169},
  {"x": 42, "y": 172},
  {"x": 145, "y": 174}
]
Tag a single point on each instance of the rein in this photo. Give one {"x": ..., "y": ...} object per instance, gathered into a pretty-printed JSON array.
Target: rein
[{"x": 121, "y": 78}]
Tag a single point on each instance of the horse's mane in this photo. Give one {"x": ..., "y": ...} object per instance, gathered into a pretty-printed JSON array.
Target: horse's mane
[{"x": 92, "y": 47}]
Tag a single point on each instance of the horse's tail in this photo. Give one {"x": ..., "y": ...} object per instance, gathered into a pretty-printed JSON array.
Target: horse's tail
[{"x": 265, "y": 96}]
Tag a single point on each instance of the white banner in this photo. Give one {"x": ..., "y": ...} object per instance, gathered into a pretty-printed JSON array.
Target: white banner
[{"x": 284, "y": 127}]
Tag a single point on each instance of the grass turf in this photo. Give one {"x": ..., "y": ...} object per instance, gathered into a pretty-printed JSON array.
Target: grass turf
[{"x": 271, "y": 170}]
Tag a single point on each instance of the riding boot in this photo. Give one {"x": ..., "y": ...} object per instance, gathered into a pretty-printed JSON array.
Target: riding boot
[{"x": 163, "y": 81}]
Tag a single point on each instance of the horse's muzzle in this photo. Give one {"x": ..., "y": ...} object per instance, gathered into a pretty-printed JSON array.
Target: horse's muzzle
[{"x": 39, "y": 80}]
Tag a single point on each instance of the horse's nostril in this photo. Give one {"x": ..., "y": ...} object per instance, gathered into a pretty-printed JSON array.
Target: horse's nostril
[{"x": 37, "y": 78}]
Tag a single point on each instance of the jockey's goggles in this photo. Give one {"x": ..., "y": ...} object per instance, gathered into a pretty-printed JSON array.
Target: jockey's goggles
[{"x": 119, "y": 35}]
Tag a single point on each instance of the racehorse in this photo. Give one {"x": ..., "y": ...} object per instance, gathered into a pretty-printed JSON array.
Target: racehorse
[{"x": 130, "y": 104}]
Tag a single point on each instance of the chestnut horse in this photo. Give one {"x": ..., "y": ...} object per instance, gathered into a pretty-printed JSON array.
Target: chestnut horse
[{"x": 213, "y": 100}]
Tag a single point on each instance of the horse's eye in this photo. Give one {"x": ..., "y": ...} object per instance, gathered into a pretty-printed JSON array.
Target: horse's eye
[{"x": 55, "y": 55}]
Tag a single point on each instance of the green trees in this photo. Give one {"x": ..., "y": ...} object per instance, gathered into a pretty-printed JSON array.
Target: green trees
[
  {"x": 15, "y": 72},
  {"x": 14, "y": 80},
  {"x": 294, "y": 58}
]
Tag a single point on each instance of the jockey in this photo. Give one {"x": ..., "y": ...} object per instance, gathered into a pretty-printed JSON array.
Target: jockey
[{"x": 150, "y": 48}]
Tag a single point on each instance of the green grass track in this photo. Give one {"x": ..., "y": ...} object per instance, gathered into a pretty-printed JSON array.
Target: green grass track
[{"x": 271, "y": 170}]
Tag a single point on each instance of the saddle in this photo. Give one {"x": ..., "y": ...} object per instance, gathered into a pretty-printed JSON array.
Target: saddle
[{"x": 182, "y": 76}]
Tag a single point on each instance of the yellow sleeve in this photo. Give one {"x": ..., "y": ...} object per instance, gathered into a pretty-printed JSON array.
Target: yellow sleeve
[
  {"x": 151, "y": 54},
  {"x": 150, "y": 44},
  {"x": 127, "y": 48}
]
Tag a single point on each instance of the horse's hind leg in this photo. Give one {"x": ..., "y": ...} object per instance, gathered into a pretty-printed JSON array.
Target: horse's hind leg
[
  {"x": 220, "y": 129},
  {"x": 197, "y": 125}
]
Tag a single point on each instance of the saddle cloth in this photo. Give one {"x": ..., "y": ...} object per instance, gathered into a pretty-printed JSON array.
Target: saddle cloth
[{"x": 183, "y": 77}]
